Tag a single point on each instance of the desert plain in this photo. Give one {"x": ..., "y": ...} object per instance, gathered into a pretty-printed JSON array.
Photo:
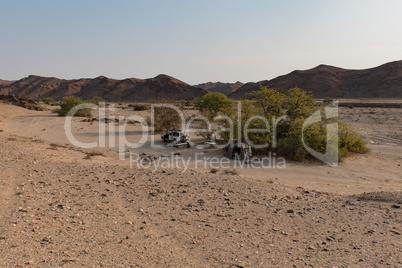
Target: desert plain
[{"x": 67, "y": 206}]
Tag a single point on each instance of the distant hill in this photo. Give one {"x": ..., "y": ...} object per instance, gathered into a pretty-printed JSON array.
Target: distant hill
[
  {"x": 131, "y": 89},
  {"x": 325, "y": 81},
  {"x": 225, "y": 88},
  {"x": 5, "y": 82}
]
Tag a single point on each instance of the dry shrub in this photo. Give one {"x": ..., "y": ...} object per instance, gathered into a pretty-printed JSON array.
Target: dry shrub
[
  {"x": 140, "y": 107},
  {"x": 214, "y": 170},
  {"x": 69, "y": 102},
  {"x": 92, "y": 154},
  {"x": 231, "y": 172},
  {"x": 165, "y": 118}
]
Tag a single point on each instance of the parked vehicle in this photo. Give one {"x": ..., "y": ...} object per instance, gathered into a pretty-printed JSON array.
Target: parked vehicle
[{"x": 172, "y": 135}]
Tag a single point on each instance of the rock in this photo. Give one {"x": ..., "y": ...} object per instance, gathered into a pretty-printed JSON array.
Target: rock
[{"x": 69, "y": 260}]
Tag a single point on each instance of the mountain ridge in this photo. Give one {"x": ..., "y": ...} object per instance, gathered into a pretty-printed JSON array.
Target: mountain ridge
[
  {"x": 326, "y": 81},
  {"x": 129, "y": 89},
  {"x": 225, "y": 88}
]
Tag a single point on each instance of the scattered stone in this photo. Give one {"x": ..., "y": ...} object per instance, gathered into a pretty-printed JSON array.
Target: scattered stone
[
  {"x": 395, "y": 232},
  {"x": 69, "y": 260}
]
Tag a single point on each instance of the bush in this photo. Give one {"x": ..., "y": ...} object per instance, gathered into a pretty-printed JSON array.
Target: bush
[
  {"x": 140, "y": 107},
  {"x": 213, "y": 171},
  {"x": 290, "y": 143},
  {"x": 70, "y": 102},
  {"x": 350, "y": 140},
  {"x": 327, "y": 101},
  {"x": 89, "y": 155},
  {"x": 166, "y": 118},
  {"x": 37, "y": 100},
  {"x": 96, "y": 100},
  {"x": 48, "y": 100},
  {"x": 315, "y": 136}
]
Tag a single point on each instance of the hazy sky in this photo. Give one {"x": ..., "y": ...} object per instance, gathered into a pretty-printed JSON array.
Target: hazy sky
[{"x": 194, "y": 40}]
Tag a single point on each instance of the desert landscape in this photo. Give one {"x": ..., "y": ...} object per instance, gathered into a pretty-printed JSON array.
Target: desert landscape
[
  {"x": 68, "y": 206},
  {"x": 233, "y": 134}
]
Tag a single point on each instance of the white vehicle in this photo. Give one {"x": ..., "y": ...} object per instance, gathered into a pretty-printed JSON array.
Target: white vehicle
[{"x": 172, "y": 136}]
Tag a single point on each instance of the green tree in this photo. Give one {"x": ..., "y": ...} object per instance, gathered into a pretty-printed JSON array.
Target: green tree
[
  {"x": 212, "y": 104},
  {"x": 70, "y": 102},
  {"x": 299, "y": 103},
  {"x": 269, "y": 101},
  {"x": 165, "y": 118}
]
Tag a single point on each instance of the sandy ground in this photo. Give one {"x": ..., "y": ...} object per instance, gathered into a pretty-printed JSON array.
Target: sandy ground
[{"x": 63, "y": 207}]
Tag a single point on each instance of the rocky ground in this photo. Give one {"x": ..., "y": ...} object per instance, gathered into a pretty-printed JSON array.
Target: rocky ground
[
  {"x": 66, "y": 207},
  {"x": 62, "y": 209}
]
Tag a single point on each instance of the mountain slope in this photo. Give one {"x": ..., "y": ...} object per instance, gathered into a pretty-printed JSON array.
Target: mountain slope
[
  {"x": 225, "y": 88},
  {"x": 325, "y": 81},
  {"x": 5, "y": 82},
  {"x": 131, "y": 89}
]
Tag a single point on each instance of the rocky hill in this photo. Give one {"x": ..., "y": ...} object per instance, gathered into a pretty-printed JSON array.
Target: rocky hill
[
  {"x": 22, "y": 102},
  {"x": 131, "y": 89},
  {"x": 225, "y": 88},
  {"x": 325, "y": 81},
  {"x": 5, "y": 82}
]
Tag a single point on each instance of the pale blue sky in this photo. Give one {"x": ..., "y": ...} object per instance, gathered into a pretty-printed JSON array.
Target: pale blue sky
[{"x": 194, "y": 40}]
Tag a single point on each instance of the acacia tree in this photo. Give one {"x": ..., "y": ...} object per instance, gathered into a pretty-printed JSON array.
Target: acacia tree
[
  {"x": 269, "y": 101},
  {"x": 299, "y": 103},
  {"x": 211, "y": 104}
]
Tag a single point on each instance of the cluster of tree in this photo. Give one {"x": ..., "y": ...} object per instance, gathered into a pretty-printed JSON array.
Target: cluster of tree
[{"x": 276, "y": 122}]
